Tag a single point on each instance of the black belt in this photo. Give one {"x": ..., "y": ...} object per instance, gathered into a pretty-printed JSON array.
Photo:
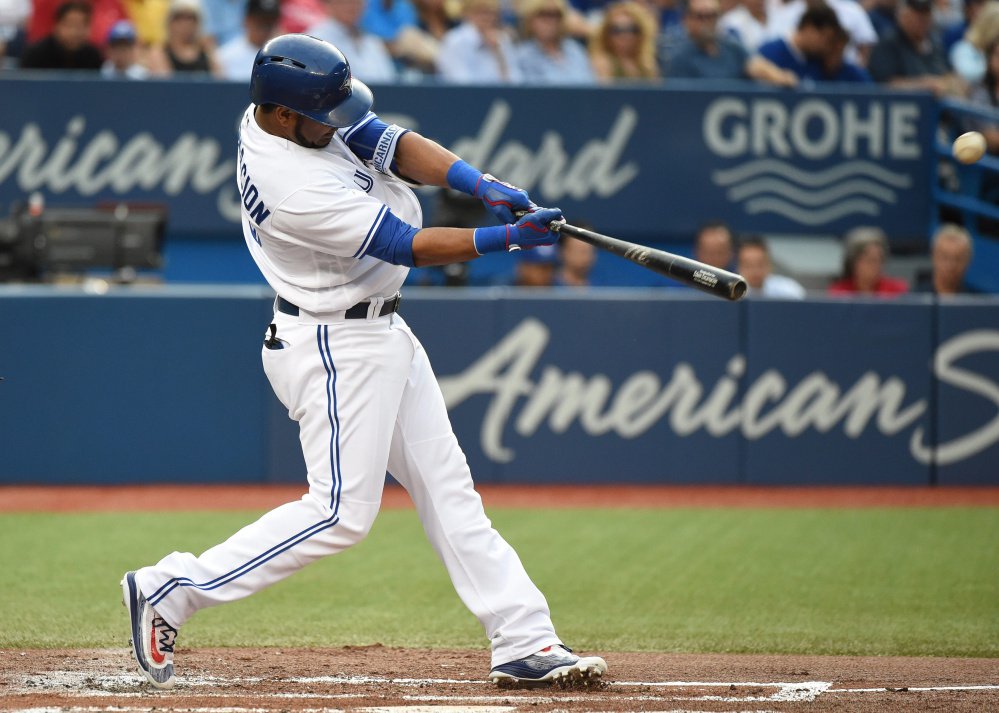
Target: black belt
[{"x": 358, "y": 311}]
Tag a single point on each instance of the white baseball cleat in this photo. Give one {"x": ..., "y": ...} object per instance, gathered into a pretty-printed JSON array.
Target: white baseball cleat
[
  {"x": 152, "y": 636},
  {"x": 552, "y": 665}
]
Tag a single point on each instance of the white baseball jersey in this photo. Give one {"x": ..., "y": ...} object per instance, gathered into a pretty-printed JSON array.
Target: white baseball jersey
[{"x": 309, "y": 213}]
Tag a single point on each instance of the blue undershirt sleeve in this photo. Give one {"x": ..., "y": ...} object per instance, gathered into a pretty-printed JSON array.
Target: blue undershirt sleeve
[{"x": 392, "y": 240}]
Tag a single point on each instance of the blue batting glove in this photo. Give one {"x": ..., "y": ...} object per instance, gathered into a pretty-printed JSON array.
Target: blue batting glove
[
  {"x": 501, "y": 199},
  {"x": 530, "y": 231}
]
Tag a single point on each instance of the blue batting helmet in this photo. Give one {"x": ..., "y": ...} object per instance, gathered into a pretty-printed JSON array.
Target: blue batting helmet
[{"x": 310, "y": 77}]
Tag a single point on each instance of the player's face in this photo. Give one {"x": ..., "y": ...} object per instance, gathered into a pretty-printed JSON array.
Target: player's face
[{"x": 311, "y": 134}]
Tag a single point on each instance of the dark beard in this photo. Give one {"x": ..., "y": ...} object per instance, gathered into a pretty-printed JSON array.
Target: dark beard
[{"x": 302, "y": 141}]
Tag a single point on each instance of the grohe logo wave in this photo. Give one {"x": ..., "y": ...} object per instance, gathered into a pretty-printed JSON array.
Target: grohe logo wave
[{"x": 847, "y": 141}]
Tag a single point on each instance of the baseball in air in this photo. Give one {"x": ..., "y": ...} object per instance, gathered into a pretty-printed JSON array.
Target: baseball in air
[{"x": 969, "y": 147}]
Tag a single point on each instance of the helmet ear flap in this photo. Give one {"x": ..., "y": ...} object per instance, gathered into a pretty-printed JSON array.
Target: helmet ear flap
[{"x": 310, "y": 77}]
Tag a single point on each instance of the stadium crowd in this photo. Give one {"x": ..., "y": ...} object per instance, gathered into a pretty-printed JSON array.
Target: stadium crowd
[{"x": 939, "y": 45}]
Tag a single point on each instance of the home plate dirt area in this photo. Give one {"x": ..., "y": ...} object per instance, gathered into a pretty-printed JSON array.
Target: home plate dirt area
[{"x": 376, "y": 678}]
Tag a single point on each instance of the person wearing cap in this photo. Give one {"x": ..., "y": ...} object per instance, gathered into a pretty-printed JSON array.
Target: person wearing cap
[
  {"x": 912, "y": 56},
  {"x": 852, "y": 17},
  {"x": 369, "y": 57},
  {"x": 122, "y": 55},
  {"x": 185, "y": 51},
  {"x": 236, "y": 56},
  {"x": 536, "y": 267}
]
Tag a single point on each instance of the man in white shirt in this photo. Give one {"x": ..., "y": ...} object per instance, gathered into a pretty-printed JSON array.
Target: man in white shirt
[
  {"x": 259, "y": 25},
  {"x": 754, "y": 264},
  {"x": 370, "y": 60},
  {"x": 479, "y": 50}
]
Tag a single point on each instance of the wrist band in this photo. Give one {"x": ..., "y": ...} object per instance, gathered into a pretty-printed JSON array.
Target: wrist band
[
  {"x": 493, "y": 239},
  {"x": 463, "y": 177}
]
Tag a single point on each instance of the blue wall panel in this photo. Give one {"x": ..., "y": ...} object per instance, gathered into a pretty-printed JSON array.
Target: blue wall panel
[{"x": 841, "y": 386}]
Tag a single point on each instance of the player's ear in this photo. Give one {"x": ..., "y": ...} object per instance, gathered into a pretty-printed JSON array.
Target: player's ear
[{"x": 285, "y": 116}]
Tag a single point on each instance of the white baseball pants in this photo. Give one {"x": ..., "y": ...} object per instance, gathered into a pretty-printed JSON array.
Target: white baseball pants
[{"x": 366, "y": 400}]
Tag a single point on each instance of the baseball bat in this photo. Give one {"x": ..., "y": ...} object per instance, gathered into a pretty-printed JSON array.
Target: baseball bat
[{"x": 706, "y": 278}]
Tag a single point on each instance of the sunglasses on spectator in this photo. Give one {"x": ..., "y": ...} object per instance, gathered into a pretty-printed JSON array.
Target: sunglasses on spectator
[
  {"x": 624, "y": 29},
  {"x": 551, "y": 14},
  {"x": 705, "y": 16}
]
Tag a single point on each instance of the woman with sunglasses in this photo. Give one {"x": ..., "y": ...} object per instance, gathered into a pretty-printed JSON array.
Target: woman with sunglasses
[
  {"x": 624, "y": 45},
  {"x": 547, "y": 55}
]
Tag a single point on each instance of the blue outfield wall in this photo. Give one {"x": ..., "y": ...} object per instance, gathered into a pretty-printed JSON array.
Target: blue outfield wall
[{"x": 165, "y": 385}]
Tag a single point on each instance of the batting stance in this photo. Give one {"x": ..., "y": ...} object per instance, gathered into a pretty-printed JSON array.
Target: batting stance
[{"x": 331, "y": 222}]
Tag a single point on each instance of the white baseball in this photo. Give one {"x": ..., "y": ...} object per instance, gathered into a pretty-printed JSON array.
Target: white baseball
[{"x": 969, "y": 147}]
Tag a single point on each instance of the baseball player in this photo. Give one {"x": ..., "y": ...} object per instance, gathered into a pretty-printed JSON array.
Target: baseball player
[{"x": 330, "y": 219}]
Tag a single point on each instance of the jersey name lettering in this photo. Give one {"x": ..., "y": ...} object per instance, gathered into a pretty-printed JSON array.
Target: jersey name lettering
[{"x": 249, "y": 194}]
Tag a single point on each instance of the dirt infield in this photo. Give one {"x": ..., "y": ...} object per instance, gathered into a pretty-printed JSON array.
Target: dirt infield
[
  {"x": 263, "y": 497},
  {"x": 378, "y": 679},
  {"x": 406, "y": 680}
]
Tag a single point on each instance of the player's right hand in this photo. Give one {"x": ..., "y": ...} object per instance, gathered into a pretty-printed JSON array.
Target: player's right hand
[{"x": 531, "y": 230}]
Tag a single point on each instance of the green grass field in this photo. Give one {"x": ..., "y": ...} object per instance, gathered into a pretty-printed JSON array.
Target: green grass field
[{"x": 898, "y": 582}]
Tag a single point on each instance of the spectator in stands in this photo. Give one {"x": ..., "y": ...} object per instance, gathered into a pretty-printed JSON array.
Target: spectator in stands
[
  {"x": 186, "y": 51},
  {"x": 952, "y": 35},
  {"x": 434, "y": 18},
  {"x": 816, "y": 49},
  {"x": 704, "y": 54},
  {"x": 754, "y": 264},
  {"x": 260, "y": 25},
  {"x": 369, "y": 57},
  {"x": 746, "y": 23},
  {"x": 397, "y": 24},
  {"x": 576, "y": 262},
  {"x": 881, "y": 13},
  {"x": 866, "y": 250},
  {"x": 986, "y": 94},
  {"x": 536, "y": 267},
  {"x": 951, "y": 255},
  {"x": 67, "y": 47},
  {"x": 967, "y": 55},
  {"x": 103, "y": 14},
  {"x": 852, "y": 17},
  {"x": 912, "y": 57},
  {"x": 547, "y": 55},
  {"x": 480, "y": 49},
  {"x": 14, "y": 16},
  {"x": 150, "y": 20},
  {"x": 123, "y": 54},
  {"x": 623, "y": 47},
  {"x": 299, "y": 15},
  {"x": 222, "y": 20},
  {"x": 713, "y": 245}
]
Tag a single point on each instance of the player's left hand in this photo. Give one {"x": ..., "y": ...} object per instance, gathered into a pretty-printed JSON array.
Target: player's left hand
[{"x": 502, "y": 199}]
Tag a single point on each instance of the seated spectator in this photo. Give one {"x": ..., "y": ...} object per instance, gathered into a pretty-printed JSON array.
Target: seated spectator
[
  {"x": 103, "y": 14},
  {"x": 396, "y": 23},
  {"x": 746, "y": 23},
  {"x": 623, "y": 47},
  {"x": 754, "y": 264},
  {"x": 185, "y": 52},
  {"x": 967, "y": 56},
  {"x": 123, "y": 54},
  {"x": 536, "y": 267},
  {"x": 577, "y": 259},
  {"x": 881, "y": 13},
  {"x": 368, "y": 56},
  {"x": 852, "y": 18},
  {"x": 713, "y": 245},
  {"x": 432, "y": 17},
  {"x": 951, "y": 255},
  {"x": 222, "y": 20},
  {"x": 547, "y": 55},
  {"x": 866, "y": 250},
  {"x": 912, "y": 57},
  {"x": 236, "y": 56},
  {"x": 704, "y": 54},
  {"x": 67, "y": 47},
  {"x": 14, "y": 16},
  {"x": 479, "y": 50},
  {"x": 815, "y": 50}
]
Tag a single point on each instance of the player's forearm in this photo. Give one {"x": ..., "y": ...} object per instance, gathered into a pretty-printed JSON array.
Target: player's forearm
[
  {"x": 441, "y": 246},
  {"x": 422, "y": 160}
]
